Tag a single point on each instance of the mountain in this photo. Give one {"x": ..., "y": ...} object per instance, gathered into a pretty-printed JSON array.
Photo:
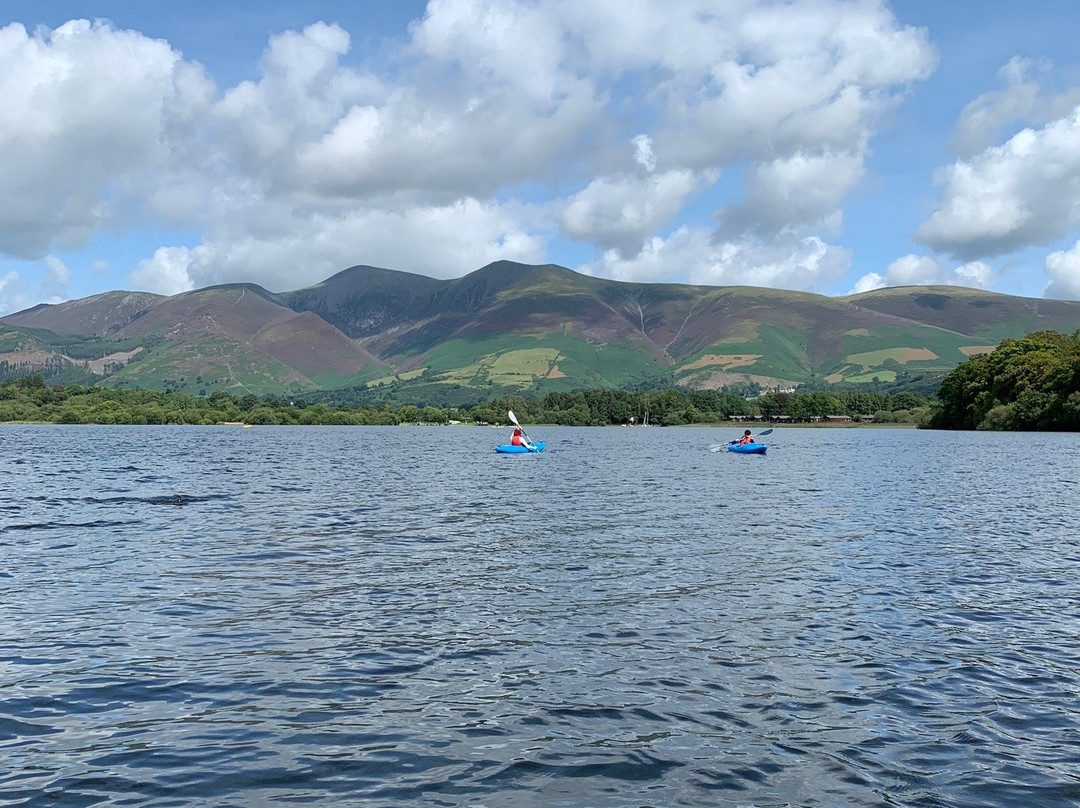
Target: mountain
[{"x": 510, "y": 328}]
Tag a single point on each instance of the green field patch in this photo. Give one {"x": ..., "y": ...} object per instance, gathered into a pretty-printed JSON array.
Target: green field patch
[
  {"x": 745, "y": 332},
  {"x": 408, "y": 375},
  {"x": 872, "y": 359},
  {"x": 460, "y": 375},
  {"x": 556, "y": 361},
  {"x": 876, "y": 376},
  {"x": 725, "y": 361},
  {"x": 938, "y": 350},
  {"x": 517, "y": 368},
  {"x": 778, "y": 353},
  {"x": 535, "y": 362},
  {"x": 331, "y": 380}
]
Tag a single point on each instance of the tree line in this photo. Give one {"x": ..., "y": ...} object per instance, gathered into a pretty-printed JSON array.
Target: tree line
[
  {"x": 1031, "y": 383},
  {"x": 31, "y": 399}
]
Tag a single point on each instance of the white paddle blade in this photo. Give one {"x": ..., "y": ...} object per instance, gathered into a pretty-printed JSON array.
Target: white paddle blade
[{"x": 513, "y": 418}]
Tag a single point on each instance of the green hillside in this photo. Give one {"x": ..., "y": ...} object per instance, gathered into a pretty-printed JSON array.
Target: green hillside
[{"x": 512, "y": 329}]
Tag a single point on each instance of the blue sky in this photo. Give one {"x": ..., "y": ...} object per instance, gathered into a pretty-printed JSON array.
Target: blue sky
[{"x": 824, "y": 145}]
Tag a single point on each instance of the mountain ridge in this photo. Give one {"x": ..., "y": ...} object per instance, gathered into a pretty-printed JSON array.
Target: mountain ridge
[{"x": 510, "y": 327}]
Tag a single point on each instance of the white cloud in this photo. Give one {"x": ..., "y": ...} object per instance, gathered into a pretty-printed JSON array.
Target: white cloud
[
  {"x": 691, "y": 255},
  {"x": 643, "y": 153},
  {"x": 620, "y": 212},
  {"x": 923, "y": 270},
  {"x": 1021, "y": 101},
  {"x": 868, "y": 282},
  {"x": 13, "y": 294},
  {"x": 433, "y": 241},
  {"x": 434, "y": 153},
  {"x": 87, "y": 112},
  {"x": 317, "y": 164},
  {"x": 913, "y": 270},
  {"x": 982, "y": 120},
  {"x": 801, "y": 190},
  {"x": 793, "y": 77},
  {"x": 1011, "y": 196},
  {"x": 167, "y": 272},
  {"x": 302, "y": 94},
  {"x": 1063, "y": 269},
  {"x": 56, "y": 280},
  {"x": 976, "y": 274},
  {"x": 498, "y": 43}
]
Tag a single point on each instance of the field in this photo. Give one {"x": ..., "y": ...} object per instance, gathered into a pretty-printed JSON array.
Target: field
[
  {"x": 552, "y": 362},
  {"x": 873, "y": 359}
]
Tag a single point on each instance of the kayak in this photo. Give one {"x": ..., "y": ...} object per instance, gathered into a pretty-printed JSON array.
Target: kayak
[
  {"x": 748, "y": 448},
  {"x": 509, "y": 448}
]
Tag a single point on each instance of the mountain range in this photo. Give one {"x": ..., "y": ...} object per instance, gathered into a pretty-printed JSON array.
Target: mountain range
[{"x": 509, "y": 328}]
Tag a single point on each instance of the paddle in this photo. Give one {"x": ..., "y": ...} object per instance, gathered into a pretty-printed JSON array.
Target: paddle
[
  {"x": 514, "y": 420},
  {"x": 716, "y": 447}
]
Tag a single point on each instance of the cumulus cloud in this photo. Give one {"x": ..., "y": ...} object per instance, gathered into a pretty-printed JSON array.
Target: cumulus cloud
[
  {"x": 643, "y": 153},
  {"x": 1011, "y": 196},
  {"x": 56, "y": 280},
  {"x": 620, "y": 212},
  {"x": 801, "y": 190},
  {"x": 433, "y": 241},
  {"x": 316, "y": 164},
  {"x": 692, "y": 253},
  {"x": 13, "y": 293},
  {"x": 88, "y": 114},
  {"x": 167, "y": 272},
  {"x": 1063, "y": 269},
  {"x": 1021, "y": 101},
  {"x": 786, "y": 78},
  {"x": 923, "y": 270},
  {"x": 869, "y": 282},
  {"x": 499, "y": 44}
]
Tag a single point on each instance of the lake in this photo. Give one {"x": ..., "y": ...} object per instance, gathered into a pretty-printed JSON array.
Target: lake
[{"x": 380, "y": 616}]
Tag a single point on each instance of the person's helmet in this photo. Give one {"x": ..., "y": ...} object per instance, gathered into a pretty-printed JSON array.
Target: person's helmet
[{"x": 747, "y": 432}]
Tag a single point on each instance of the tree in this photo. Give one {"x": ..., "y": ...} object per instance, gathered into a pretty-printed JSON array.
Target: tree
[
  {"x": 1023, "y": 384},
  {"x": 813, "y": 405}
]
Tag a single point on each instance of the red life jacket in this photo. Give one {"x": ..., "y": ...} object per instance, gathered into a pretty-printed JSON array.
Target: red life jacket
[{"x": 515, "y": 439}]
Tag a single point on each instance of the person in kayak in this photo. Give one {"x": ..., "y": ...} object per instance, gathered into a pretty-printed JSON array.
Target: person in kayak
[
  {"x": 746, "y": 438},
  {"x": 519, "y": 439}
]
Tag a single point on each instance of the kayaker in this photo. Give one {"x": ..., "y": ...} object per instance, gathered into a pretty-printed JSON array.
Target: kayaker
[
  {"x": 746, "y": 438},
  {"x": 519, "y": 439}
]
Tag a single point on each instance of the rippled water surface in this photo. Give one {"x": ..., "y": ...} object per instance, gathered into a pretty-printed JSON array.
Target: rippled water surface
[{"x": 400, "y": 617}]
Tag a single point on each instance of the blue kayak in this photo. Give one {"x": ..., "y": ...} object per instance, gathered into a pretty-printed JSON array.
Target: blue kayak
[
  {"x": 748, "y": 448},
  {"x": 509, "y": 448}
]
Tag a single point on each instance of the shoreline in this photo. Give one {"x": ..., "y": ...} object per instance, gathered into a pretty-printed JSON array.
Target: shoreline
[{"x": 752, "y": 425}]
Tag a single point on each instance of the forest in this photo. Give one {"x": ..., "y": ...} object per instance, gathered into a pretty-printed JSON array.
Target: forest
[
  {"x": 31, "y": 399},
  {"x": 1030, "y": 384}
]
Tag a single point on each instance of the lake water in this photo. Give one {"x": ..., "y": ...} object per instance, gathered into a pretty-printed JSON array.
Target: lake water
[{"x": 218, "y": 616}]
